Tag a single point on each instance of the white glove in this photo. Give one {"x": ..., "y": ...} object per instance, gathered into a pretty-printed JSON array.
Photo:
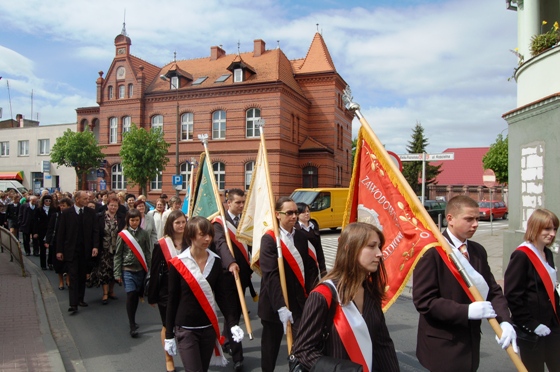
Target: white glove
[
  {"x": 237, "y": 333},
  {"x": 285, "y": 317},
  {"x": 542, "y": 330},
  {"x": 481, "y": 310},
  {"x": 170, "y": 346},
  {"x": 508, "y": 337}
]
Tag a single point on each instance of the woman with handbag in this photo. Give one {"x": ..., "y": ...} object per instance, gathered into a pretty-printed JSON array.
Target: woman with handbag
[
  {"x": 343, "y": 316},
  {"x": 530, "y": 288},
  {"x": 170, "y": 245}
]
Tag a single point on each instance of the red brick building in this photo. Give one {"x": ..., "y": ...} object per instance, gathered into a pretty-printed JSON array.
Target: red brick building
[{"x": 308, "y": 130}]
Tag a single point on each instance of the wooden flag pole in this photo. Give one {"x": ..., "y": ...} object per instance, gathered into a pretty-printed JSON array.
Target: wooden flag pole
[
  {"x": 352, "y": 106},
  {"x": 281, "y": 269},
  {"x": 204, "y": 139}
]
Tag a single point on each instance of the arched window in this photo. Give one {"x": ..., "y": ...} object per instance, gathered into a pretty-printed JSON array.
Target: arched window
[
  {"x": 310, "y": 177},
  {"x": 157, "y": 122},
  {"x": 219, "y": 124},
  {"x": 252, "y": 116},
  {"x": 110, "y": 92},
  {"x": 118, "y": 181},
  {"x": 186, "y": 169},
  {"x": 187, "y": 121},
  {"x": 220, "y": 174},
  {"x": 130, "y": 90},
  {"x": 249, "y": 167},
  {"x": 113, "y": 124},
  {"x": 121, "y": 91},
  {"x": 126, "y": 123},
  {"x": 157, "y": 182}
]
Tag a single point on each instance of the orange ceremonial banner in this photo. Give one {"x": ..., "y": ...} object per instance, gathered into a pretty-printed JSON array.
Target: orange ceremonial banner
[{"x": 376, "y": 197}]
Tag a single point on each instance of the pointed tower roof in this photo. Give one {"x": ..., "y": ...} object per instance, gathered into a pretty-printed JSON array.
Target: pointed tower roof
[{"x": 318, "y": 58}]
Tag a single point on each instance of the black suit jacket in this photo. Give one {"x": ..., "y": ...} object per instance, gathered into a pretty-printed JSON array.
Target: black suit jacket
[
  {"x": 526, "y": 295},
  {"x": 69, "y": 231},
  {"x": 447, "y": 339},
  {"x": 270, "y": 297}
]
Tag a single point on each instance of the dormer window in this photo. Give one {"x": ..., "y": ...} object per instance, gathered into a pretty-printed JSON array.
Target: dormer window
[
  {"x": 237, "y": 75},
  {"x": 241, "y": 70},
  {"x": 174, "y": 82}
]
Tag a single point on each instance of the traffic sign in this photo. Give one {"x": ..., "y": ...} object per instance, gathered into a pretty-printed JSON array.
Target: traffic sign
[
  {"x": 177, "y": 179},
  {"x": 489, "y": 178},
  {"x": 395, "y": 158}
]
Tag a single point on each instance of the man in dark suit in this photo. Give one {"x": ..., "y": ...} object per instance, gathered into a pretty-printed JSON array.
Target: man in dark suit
[
  {"x": 272, "y": 309},
  {"x": 449, "y": 324},
  {"x": 26, "y": 220},
  {"x": 233, "y": 265},
  {"x": 77, "y": 242}
]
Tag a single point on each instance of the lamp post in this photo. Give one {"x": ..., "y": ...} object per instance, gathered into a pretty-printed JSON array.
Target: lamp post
[{"x": 177, "y": 130}]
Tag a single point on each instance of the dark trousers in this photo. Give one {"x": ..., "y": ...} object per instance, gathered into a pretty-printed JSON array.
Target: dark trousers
[
  {"x": 232, "y": 319},
  {"x": 42, "y": 252},
  {"x": 535, "y": 354},
  {"x": 195, "y": 347},
  {"x": 77, "y": 271},
  {"x": 271, "y": 339},
  {"x": 27, "y": 237}
]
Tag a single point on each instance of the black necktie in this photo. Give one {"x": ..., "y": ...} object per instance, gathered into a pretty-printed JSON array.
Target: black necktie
[{"x": 236, "y": 221}]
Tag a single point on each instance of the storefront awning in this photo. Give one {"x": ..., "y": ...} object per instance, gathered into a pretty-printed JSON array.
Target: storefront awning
[{"x": 18, "y": 176}]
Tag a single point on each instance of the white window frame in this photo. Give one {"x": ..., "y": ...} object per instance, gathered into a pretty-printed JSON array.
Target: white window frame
[
  {"x": 44, "y": 146},
  {"x": 219, "y": 169},
  {"x": 249, "y": 168},
  {"x": 130, "y": 90},
  {"x": 157, "y": 181},
  {"x": 219, "y": 124},
  {"x": 23, "y": 148},
  {"x": 126, "y": 124},
  {"x": 238, "y": 75},
  {"x": 122, "y": 91},
  {"x": 157, "y": 122},
  {"x": 187, "y": 126},
  {"x": 251, "y": 117},
  {"x": 113, "y": 126},
  {"x": 110, "y": 92},
  {"x": 5, "y": 148},
  {"x": 118, "y": 180},
  {"x": 186, "y": 169},
  {"x": 174, "y": 83}
]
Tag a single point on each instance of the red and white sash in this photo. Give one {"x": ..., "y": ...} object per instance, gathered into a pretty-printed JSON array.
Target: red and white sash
[
  {"x": 312, "y": 252},
  {"x": 132, "y": 243},
  {"x": 293, "y": 258},
  {"x": 231, "y": 229},
  {"x": 167, "y": 248},
  {"x": 190, "y": 271},
  {"x": 353, "y": 332},
  {"x": 543, "y": 273}
]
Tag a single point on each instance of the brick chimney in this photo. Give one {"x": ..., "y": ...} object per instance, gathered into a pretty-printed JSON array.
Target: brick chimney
[
  {"x": 259, "y": 47},
  {"x": 216, "y": 52}
]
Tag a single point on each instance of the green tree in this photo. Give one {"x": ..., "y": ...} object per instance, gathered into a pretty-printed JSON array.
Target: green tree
[
  {"x": 497, "y": 159},
  {"x": 412, "y": 170},
  {"x": 144, "y": 155},
  {"x": 78, "y": 150}
]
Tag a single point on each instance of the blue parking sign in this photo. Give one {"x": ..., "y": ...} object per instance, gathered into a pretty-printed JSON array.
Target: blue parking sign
[{"x": 177, "y": 179}]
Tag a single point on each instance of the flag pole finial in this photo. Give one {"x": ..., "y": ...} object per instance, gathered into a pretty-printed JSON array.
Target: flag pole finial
[
  {"x": 349, "y": 103},
  {"x": 203, "y": 138},
  {"x": 259, "y": 123}
]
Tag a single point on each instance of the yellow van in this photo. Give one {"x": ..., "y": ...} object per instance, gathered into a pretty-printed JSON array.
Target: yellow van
[{"x": 325, "y": 204}]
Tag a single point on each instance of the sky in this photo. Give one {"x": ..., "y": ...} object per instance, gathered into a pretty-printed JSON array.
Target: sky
[{"x": 442, "y": 63}]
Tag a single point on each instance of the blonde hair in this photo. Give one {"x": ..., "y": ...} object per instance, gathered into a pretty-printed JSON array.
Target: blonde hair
[
  {"x": 540, "y": 220},
  {"x": 347, "y": 269}
]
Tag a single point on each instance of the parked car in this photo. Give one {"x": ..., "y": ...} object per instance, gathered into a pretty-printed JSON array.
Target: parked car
[
  {"x": 436, "y": 208},
  {"x": 490, "y": 210}
]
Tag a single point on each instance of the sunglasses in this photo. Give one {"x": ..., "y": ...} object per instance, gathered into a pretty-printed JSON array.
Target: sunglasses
[{"x": 289, "y": 213}]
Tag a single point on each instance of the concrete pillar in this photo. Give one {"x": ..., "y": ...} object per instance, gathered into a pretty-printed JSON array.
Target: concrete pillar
[{"x": 528, "y": 25}]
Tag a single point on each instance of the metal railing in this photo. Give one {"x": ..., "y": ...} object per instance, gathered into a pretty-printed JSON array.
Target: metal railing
[{"x": 11, "y": 243}]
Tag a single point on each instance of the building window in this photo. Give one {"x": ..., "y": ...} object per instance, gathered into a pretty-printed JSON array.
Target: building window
[
  {"x": 174, "y": 82},
  {"x": 186, "y": 169},
  {"x": 249, "y": 174},
  {"x": 219, "y": 124},
  {"x": 237, "y": 75},
  {"x": 130, "y": 90},
  {"x": 121, "y": 92},
  {"x": 253, "y": 115},
  {"x": 44, "y": 146},
  {"x": 157, "y": 182},
  {"x": 187, "y": 126},
  {"x": 220, "y": 174},
  {"x": 110, "y": 92},
  {"x": 5, "y": 148},
  {"x": 126, "y": 123},
  {"x": 118, "y": 181},
  {"x": 23, "y": 148},
  {"x": 113, "y": 130},
  {"x": 157, "y": 122},
  {"x": 310, "y": 177}
]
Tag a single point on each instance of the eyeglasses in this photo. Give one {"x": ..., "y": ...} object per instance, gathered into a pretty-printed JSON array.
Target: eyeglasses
[
  {"x": 47, "y": 200},
  {"x": 289, "y": 213}
]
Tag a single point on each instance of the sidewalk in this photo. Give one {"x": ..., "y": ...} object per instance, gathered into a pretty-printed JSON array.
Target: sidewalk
[{"x": 26, "y": 342}]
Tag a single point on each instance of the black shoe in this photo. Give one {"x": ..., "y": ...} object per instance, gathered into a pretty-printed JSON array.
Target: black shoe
[
  {"x": 44, "y": 268},
  {"x": 133, "y": 330},
  {"x": 83, "y": 304},
  {"x": 27, "y": 254},
  {"x": 73, "y": 310},
  {"x": 36, "y": 254},
  {"x": 238, "y": 366}
]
